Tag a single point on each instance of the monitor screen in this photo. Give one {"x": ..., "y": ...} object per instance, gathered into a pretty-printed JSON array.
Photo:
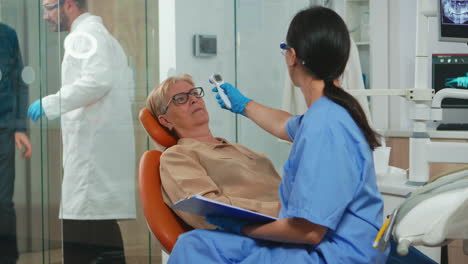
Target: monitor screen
[
  {"x": 450, "y": 71},
  {"x": 453, "y": 20}
]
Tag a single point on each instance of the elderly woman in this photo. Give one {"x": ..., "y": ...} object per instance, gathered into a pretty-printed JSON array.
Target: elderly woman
[{"x": 203, "y": 164}]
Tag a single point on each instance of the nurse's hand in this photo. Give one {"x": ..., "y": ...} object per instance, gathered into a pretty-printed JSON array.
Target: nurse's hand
[
  {"x": 227, "y": 224},
  {"x": 238, "y": 100},
  {"x": 35, "y": 110}
]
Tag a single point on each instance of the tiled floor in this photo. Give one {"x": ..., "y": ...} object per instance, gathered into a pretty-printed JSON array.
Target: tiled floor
[
  {"x": 51, "y": 257},
  {"x": 135, "y": 255}
]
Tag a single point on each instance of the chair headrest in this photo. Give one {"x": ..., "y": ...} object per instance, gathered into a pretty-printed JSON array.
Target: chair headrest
[{"x": 155, "y": 130}]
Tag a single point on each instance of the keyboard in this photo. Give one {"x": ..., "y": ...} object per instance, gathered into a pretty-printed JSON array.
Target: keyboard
[{"x": 453, "y": 126}]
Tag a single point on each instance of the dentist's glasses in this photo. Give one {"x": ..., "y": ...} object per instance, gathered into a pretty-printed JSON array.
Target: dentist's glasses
[
  {"x": 48, "y": 8},
  {"x": 284, "y": 47},
  {"x": 182, "y": 98}
]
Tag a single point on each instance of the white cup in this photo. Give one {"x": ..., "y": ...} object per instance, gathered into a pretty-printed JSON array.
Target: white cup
[{"x": 381, "y": 160}]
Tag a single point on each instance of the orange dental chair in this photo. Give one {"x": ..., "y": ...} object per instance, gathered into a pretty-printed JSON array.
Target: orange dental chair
[{"x": 165, "y": 225}]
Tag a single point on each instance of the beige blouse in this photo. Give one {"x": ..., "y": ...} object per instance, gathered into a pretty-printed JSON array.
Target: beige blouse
[{"x": 225, "y": 172}]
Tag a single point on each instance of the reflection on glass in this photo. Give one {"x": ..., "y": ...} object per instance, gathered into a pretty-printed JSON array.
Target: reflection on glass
[
  {"x": 38, "y": 181},
  {"x": 13, "y": 103},
  {"x": 80, "y": 45},
  {"x": 28, "y": 75},
  {"x": 94, "y": 106},
  {"x": 58, "y": 22}
]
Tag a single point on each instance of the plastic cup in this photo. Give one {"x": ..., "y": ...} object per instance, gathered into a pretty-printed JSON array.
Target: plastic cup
[{"x": 381, "y": 160}]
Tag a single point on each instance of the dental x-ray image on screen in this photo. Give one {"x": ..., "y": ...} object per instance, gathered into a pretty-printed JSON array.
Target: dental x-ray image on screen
[
  {"x": 450, "y": 71},
  {"x": 453, "y": 20}
]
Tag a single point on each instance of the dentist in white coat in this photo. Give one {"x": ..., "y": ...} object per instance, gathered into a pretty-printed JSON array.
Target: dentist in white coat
[{"x": 94, "y": 104}]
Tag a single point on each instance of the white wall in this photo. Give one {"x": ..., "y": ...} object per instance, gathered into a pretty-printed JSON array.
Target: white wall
[
  {"x": 261, "y": 26},
  {"x": 402, "y": 28},
  {"x": 212, "y": 17}
]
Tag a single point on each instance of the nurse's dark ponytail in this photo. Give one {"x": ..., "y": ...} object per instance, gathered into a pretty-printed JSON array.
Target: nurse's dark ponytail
[
  {"x": 321, "y": 41},
  {"x": 348, "y": 102}
]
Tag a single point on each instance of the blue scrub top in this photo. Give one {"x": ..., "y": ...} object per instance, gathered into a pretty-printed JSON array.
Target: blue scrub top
[{"x": 329, "y": 179}]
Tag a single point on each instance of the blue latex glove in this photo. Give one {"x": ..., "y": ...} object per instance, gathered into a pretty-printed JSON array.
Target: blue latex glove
[
  {"x": 238, "y": 100},
  {"x": 35, "y": 110},
  {"x": 227, "y": 224}
]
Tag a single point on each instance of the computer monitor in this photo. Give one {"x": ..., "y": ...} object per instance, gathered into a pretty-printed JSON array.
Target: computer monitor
[
  {"x": 453, "y": 20},
  {"x": 450, "y": 71}
]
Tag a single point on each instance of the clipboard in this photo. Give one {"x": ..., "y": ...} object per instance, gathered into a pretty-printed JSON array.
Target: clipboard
[{"x": 202, "y": 206}]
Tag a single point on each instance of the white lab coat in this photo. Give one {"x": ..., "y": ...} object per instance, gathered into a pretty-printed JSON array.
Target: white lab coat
[
  {"x": 94, "y": 103},
  {"x": 294, "y": 102}
]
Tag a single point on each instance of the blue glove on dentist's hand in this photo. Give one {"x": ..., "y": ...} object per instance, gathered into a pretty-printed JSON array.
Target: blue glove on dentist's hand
[
  {"x": 35, "y": 110},
  {"x": 238, "y": 100},
  {"x": 227, "y": 224}
]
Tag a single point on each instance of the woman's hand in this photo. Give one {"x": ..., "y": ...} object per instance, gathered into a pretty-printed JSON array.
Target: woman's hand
[
  {"x": 271, "y": 120},
  {"x": 226, "y": 224},
  {"x": 288, "y": 230},
  {"x": 238, "y": 100}
]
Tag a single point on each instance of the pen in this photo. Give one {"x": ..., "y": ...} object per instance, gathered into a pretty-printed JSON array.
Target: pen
[{"x": 381, "y": 231}]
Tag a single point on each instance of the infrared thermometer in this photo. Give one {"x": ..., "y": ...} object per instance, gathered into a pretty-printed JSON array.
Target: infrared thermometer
[{"x": 217, "y": 80}]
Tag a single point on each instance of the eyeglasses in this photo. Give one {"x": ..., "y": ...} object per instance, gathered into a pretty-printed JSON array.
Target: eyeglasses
[
  {"x": 49, "y": 8},
  {"x": 182, "y": 98},
  {"x": 284, "y": 47}
]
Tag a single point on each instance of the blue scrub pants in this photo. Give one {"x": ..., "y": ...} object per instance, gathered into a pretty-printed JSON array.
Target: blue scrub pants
[
  {"x": 8, "y": 244},
  {"x": 216, "y": 247}
]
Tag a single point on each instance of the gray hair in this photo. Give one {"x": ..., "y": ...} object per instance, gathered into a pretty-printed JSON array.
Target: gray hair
[{"x": 157, "y": 101}]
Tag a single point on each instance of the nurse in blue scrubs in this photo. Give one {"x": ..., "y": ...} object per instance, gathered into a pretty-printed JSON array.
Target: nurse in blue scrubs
[{"x": 331, "y": 207}]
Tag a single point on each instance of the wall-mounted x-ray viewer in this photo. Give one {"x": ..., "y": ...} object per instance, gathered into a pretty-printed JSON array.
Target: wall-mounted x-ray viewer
[
  {"x": 453, "y": 20},
  {"x": 204, "y": 45}
]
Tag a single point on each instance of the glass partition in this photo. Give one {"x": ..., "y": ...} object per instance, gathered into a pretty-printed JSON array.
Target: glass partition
[
  {"x": 37, "y": 178},
  {"x": 134, "y": 25},
  {"x": 39, "y": 181}
]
